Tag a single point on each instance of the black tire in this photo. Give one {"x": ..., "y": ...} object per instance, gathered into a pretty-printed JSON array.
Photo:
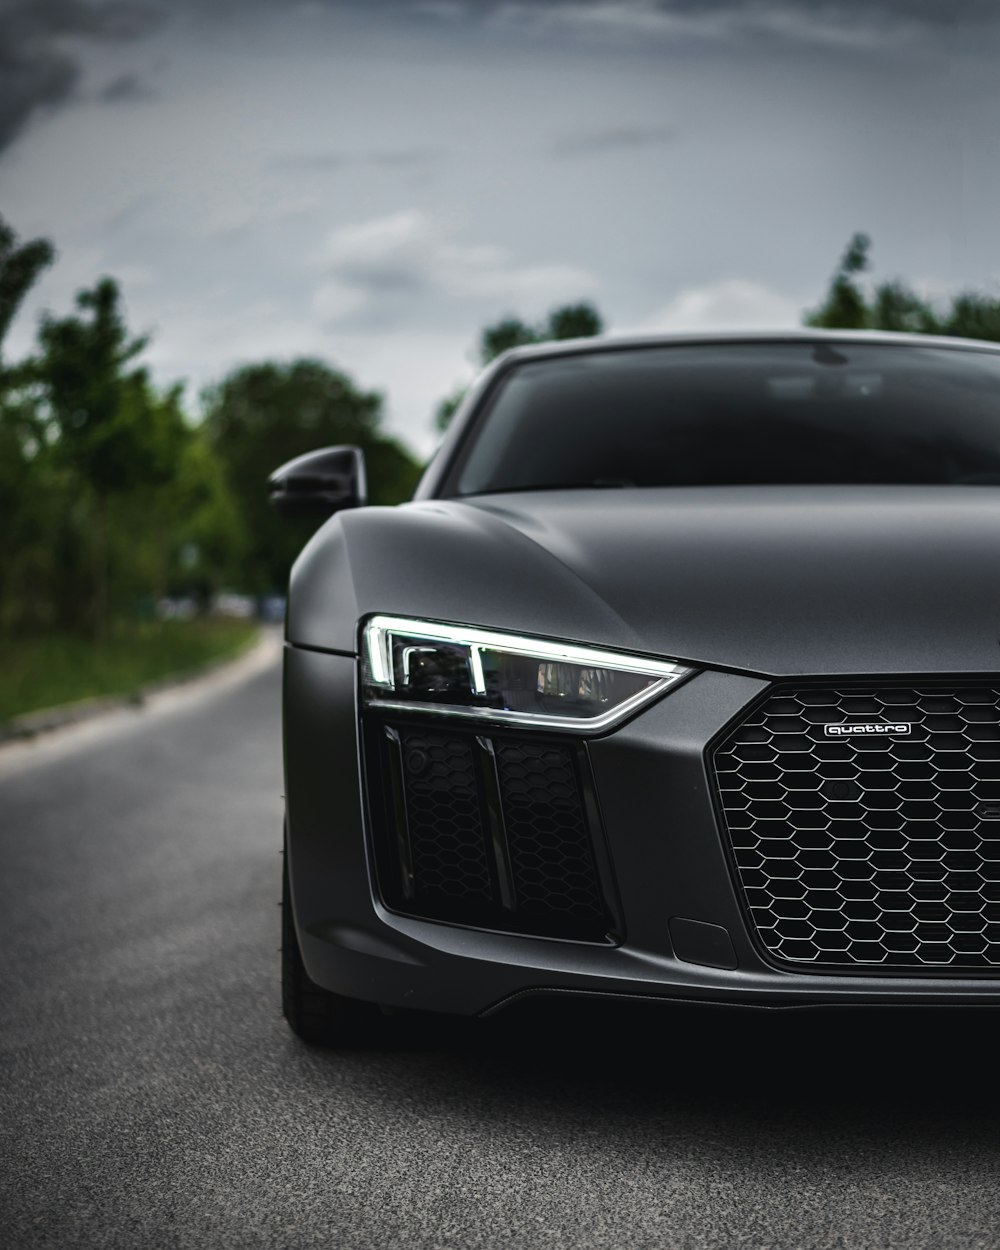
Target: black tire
[{"x": 315, "y": 1014}]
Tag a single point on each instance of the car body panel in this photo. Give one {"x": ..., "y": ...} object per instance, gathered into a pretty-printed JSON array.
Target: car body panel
[
  {"x": 778, "y": 581},
  {"x": 746, "y": 584},
  {"x": 669, "y": 863}
]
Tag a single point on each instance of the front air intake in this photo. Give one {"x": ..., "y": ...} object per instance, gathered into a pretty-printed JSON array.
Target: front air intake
[
  {"x": 494, "y": 832},
  {"x": 864, "y": 823}
]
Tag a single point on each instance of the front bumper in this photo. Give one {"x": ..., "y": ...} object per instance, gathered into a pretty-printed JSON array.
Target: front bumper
[{"x": 686, "y": 936}]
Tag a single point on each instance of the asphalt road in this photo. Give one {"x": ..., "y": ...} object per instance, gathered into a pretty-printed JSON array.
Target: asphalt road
[{"x": 152, "y": 1096}]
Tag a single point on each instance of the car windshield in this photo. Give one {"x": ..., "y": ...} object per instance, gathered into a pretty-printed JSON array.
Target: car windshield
[{"x": 741, "y": 414}]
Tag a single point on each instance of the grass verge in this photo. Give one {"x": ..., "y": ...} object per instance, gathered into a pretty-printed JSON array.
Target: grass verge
[{"x": 37, "y": 673}]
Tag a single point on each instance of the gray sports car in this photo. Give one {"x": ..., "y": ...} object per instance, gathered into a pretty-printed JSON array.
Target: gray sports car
[{"x": 678, "y": 679}]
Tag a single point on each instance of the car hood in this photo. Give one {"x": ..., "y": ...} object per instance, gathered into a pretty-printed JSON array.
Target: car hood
[{"x": 770, "y": 580}]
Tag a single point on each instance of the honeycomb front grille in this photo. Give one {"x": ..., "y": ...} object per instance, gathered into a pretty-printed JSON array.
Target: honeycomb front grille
[
  {"x": 493, "y": 832},
  {"x": 865, "y": 824}
]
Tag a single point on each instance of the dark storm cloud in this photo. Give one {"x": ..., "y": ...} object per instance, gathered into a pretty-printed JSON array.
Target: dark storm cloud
[
  {"x": 742, "y": 13},
  {"x": 27, "y": 81},
  {"x": 37, "y": 64},
  {"x": 931, "y": 12},
  {"x": 925, "y": 10},
  {"x": 611, "y": 139},
  {"x": 802, "y": 21},
  {"x": 40, "y": 39}
]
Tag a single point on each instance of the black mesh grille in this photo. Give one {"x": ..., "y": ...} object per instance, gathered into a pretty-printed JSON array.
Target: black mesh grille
[
  {"x": 865, "y": 823},
  {"x": 494, "y": 832},
  {"x": 446, "y": 833}
]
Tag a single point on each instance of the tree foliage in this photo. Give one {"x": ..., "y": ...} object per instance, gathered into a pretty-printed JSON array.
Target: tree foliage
[
  {"x": 570, "y": 321},
  {"x": 845, "y": 307},
  {"x": 20, "y": 267},
  {"x": 107, "y": 428},
  {"x": 110, "y": 496},
  {"x": 893, "y": 305},
  {"x": 264, "y": 414}
]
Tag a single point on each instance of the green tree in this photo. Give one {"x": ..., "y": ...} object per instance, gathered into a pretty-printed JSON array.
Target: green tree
[
  {"x": 570, "y": 321},
  {"x": 893, "y": 305},
  {"x": 24, "y": 463},
  {"x": 573, "y": 321},
  {"x": 845, "y": 307},
  {"x": 264, "y": 414},
  {"x": 184, "y": 536},
  {"x": 106, "y": 423},
  {"x": 504, "y": 334},
  {"x": 975, "y": 316},
  {"x": 20, "y": 267},
  {"x": 448, "y": 406}
]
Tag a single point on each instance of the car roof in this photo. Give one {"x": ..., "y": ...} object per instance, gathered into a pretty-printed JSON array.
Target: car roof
[{"x": 615, "y": 342}]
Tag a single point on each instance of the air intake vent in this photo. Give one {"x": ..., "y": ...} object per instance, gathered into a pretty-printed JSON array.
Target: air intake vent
[
  {"x": 491, "y": 832},
  {"x": 865, "y": 824}
]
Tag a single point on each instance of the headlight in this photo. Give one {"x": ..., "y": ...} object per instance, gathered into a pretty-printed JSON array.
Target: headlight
[{"x": 459, "y": 670}]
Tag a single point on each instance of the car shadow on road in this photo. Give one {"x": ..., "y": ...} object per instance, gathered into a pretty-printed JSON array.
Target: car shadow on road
[{"x": 915, "y": 1075}]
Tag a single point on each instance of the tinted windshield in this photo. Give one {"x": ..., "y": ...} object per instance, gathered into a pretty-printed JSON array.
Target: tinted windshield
[{"x": 741, "y": 414}]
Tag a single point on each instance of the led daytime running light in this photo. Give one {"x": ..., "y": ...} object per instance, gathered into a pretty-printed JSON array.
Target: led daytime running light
[
  {"x": 378, "y": 642},
  {"x": 381, "y": 635}
]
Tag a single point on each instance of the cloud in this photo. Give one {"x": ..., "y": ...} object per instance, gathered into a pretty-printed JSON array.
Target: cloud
[
  {"x": 28, "y": 82},
  {"x": 443, "y": 10},
  {"x": 202, "y": 344},
  {"x": 252, "y": 212},
  {"x": 38, "y": 64},
  {"x": 730, "y": 304},
  {"x": 931, "y": 12},
  {"x": 375, "y": 272},
  {"x": 400, "y": 158},
  {"x": 390, "y": 158},
  {"x": 42, "y": 41},
  {"x": 611, "y": 139},
  {"x": 125, "y": 89},
  {"x": 860, "y": 24}
]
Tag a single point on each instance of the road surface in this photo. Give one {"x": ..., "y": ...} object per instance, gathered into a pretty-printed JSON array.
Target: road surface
[{"x": 152, "y": 1096}]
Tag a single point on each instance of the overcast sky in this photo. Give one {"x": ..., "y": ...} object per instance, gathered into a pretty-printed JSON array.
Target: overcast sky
[{"x": 373, "y": 182}]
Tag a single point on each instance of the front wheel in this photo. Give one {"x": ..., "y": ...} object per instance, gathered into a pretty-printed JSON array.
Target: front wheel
[{"x": 319, "y": 1016}]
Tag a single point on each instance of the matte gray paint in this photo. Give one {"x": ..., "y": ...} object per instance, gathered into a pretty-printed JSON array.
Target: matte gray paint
[
  {"x": 764, "y": 581},
  {"x": 771, "y": 580},
  {"x": 668, "y": 861}
]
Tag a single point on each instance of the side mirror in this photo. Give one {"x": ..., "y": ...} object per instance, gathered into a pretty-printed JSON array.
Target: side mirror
[{"x": 319, "y": 483}]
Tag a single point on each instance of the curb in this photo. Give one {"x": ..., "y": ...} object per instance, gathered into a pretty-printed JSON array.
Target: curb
[{"x": 32, "y": 725}]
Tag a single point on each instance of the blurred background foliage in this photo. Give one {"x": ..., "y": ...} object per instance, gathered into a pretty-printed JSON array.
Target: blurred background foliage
[
  {"x": 115, "y": 500},
  {"x": 264, "y": 414},
  {"x": 894, "y": 305}
]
